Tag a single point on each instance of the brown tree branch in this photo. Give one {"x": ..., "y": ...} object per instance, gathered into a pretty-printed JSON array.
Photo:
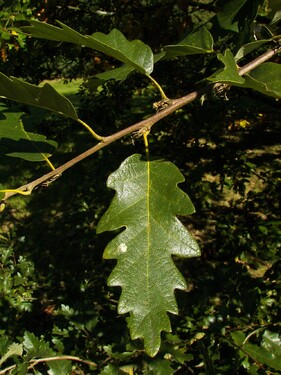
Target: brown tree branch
[
  {"x": 34, "y": 362},
  {"x": 143, "y": 125}
]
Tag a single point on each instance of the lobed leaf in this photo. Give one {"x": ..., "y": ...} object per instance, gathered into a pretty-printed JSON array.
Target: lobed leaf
[
  {"x": 229, "y": 9},
  {"x": 229, "y": 74},
  {"x": 44, "y": 97},
  {"x": 13, "y": 349},
  {"x": 134, "y": 53},
  {"x": 35, "y": 347},
  {"x": 200, "y": 41},
  {"x": 146, "y": 203}
]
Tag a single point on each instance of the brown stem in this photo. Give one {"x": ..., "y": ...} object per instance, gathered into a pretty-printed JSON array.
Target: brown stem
[
  {"x": 35, "y": 362},
  {"x": 144, "y": 124}
]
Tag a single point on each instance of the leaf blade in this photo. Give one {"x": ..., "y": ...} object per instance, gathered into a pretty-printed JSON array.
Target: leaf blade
[
  {"x": 16, "y": 142},
  {"x": 266, "y": 78},
  {"x": 229, "y": 74},
  {"x": 44, "y": 97},
  {"x": 200, "y": 41},
  {"x": 134, "y": 53},
  {"x": 145, "y": 269}
]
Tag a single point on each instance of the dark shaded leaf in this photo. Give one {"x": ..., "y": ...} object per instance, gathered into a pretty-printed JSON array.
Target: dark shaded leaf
[
  {"x": 200, "y": 41},
  {"x": 266, "y": 78},
  {"x": 44, "y": 97},
  {"x": 16, "y": 142},
  {"x": 228, "y": 10}
]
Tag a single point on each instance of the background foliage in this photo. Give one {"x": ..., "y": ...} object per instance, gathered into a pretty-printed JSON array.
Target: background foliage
[{"x": 54, "y": 297}]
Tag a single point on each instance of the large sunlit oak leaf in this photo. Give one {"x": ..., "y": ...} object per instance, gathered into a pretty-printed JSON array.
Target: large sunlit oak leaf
[
  {"x": 134, "y": 53},
  {"x": 146, "y": 203},
  {"x": 44, "y": 97}
]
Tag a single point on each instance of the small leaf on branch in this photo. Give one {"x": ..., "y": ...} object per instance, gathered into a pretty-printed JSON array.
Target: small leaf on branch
[
  {"x": 200, "y": 41},
  {"x": 146, "y": 203},
  {"x": 229, "y": 74},
  {"x": 266, "y": 78},
  {"x": 35, "y": 347},
  {"x": 250, "y": 47},
  {"x": 13, "y": 349}
]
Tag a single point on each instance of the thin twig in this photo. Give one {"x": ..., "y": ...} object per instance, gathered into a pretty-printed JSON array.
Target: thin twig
[
  {"x": 144, "y": 124},
  {"x": 35, "y": 362}
]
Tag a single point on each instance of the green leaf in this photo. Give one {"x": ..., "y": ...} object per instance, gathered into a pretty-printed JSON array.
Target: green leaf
[
  {"x": 228, "y": 11},
  {"x": 118, "y": 74},
  {"x": 249, "y": 47},
  {"x": 35, "y": 347},
  {"x": 146, "y": 204},
  {"x": 269, "y": 354},
  {"x": 16, "y": 142},
  {"x": 238, "y": 337},
  {"x": 110, "y": 370},
  {"x": 134, "y": 53},
  {"x": 13, "y": 349},
  {"x": 263, "y": 356},
  {"x": 200, "y": 41},
  {"x": 22, "y": 369},
  {"x": 266, "y": 78},
  {"x": 44, "y": 97},
  {"x": 2, "y": 195},
  {"x": 160, "y": 367},
  {"x": 272, "y": 342},
  {"x": 60, "y": 367},
  {"x": 229, "y": 74}
]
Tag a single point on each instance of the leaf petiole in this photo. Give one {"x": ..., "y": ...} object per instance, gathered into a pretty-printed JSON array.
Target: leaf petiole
[
  {"x": 159, "y": 87},
  {"x": 94, "y": 134},
  {"x": 16, "y": 191},
  {"x": 146, "y": 144}
]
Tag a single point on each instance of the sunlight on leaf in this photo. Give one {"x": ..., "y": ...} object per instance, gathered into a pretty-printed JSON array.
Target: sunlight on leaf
[
  {"x": 146, "y": 203},
  {"x": 134, "y": 53},
  {"x": 44, "y": 97}
]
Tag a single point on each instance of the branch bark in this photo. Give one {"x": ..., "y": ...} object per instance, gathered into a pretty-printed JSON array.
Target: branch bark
[
  {"x": 140, "y": 126},
  {"x": 34, "y": 362}
]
